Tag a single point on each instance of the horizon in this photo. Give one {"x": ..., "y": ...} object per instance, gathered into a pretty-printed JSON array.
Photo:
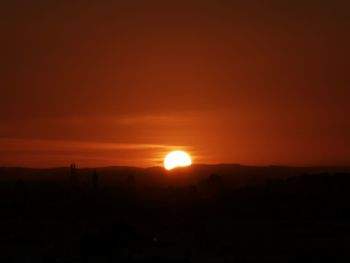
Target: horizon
[{"x": 193, "y": 166}]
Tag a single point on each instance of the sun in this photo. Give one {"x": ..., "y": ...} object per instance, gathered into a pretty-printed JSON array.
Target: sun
[{"x": 177, "y": 159}]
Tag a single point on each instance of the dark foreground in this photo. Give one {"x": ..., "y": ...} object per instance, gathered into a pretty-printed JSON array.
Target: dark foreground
[{"x": 304, "y": 218}]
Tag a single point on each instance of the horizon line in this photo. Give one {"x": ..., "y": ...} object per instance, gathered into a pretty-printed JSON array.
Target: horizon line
[{"x": 193, "y": 165}]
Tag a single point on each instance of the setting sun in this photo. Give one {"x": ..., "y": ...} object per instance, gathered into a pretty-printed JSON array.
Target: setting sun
[{"x": 177, "y": 159}]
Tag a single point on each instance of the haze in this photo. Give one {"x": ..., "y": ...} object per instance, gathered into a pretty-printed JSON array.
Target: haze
[{"x": 101, "y": 83}]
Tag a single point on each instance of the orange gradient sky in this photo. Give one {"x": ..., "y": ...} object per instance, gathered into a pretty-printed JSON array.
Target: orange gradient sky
[{"x": 123, "y": 82}]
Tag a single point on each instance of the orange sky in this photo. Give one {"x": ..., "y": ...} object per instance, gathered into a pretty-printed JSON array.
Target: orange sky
[{"x": 101, "y": 83}]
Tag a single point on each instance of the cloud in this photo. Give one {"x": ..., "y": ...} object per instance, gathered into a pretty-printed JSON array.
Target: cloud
[
  {"x": 44, "y": 152},
  {"x": 37, "y": 144}
]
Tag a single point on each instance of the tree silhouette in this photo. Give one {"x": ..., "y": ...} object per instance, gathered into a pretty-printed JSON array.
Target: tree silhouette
[
  {"x": 131, "y": 180},
  {"x": 95, "y": 180}
]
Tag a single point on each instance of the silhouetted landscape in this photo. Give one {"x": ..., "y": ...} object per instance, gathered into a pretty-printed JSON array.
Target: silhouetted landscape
[
  {"x": 174, "y": 131},
  {"x": 204, "y": 213}
]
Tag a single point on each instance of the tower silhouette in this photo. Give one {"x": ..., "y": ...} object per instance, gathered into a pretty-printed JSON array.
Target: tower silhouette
[{"x": 73, "y": 176}]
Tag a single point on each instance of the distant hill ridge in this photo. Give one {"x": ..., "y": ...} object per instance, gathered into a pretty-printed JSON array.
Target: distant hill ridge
[{"x": 234, "y": 175}]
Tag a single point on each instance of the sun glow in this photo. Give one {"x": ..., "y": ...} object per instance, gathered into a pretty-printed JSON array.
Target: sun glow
[{"x": 177, "y": 159}]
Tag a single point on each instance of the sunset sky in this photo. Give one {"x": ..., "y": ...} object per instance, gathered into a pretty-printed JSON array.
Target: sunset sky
[{"x": 105, "y": 83}]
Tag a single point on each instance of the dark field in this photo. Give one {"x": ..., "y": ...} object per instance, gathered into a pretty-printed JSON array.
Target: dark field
[{"x": 223, "y": 213}]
